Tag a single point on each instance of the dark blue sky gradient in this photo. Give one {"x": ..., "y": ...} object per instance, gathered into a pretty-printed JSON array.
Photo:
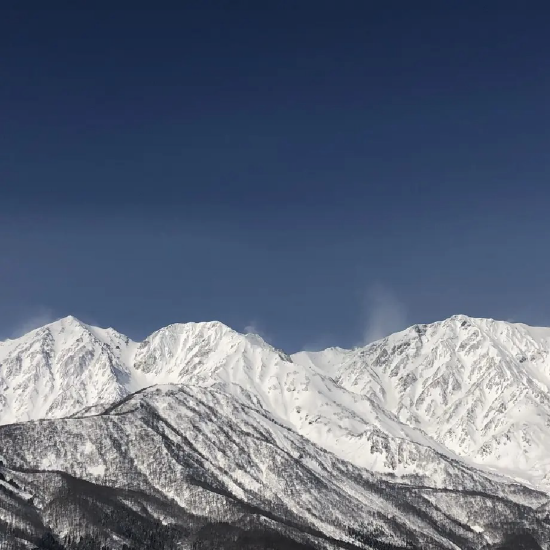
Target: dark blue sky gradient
[{"x": 275, "y": 164}]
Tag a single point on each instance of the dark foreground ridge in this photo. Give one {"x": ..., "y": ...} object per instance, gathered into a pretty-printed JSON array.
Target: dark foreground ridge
[{"x": 183, "y": 467}]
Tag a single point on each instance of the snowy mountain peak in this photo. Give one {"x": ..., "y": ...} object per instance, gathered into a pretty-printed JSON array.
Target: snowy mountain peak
[
  {"x": 53, "y": 369},
  {"x": 480, "y": 387},
  {"x": 463, "y": 326},
  {"x": 216, "y": 327},
  {"x": 210, "y": 333},
  {"x": 462, "y": 387}
]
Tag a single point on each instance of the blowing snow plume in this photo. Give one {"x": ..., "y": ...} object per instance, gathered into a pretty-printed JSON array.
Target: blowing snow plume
[
  {"x": 35, "y": 319},
  {"x": 385, "y": 314}
]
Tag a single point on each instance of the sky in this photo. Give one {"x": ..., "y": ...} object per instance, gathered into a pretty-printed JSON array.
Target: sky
[{"x": 322, "y": 173}]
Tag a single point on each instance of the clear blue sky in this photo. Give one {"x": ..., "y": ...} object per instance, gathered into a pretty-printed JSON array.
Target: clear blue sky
[{"x": 321, "y": 171}]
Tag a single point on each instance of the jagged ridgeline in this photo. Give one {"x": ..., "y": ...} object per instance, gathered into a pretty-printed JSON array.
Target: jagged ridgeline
[{"x": 201, "y": 437}]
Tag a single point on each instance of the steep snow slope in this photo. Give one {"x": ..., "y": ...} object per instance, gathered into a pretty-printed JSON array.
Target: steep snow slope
[
  {"x": 355, "y": 427},
  {"x": 56, "y": 369},
  {"x": 474, "y": 388},
  {"x": 65, "y": 366},
  {"x": 479, "y": 387},
  {"x": 190, "y": 456}
]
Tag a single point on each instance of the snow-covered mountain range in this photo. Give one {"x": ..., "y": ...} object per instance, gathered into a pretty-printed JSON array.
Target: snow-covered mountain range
[{"x": 436, "y": 413}]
